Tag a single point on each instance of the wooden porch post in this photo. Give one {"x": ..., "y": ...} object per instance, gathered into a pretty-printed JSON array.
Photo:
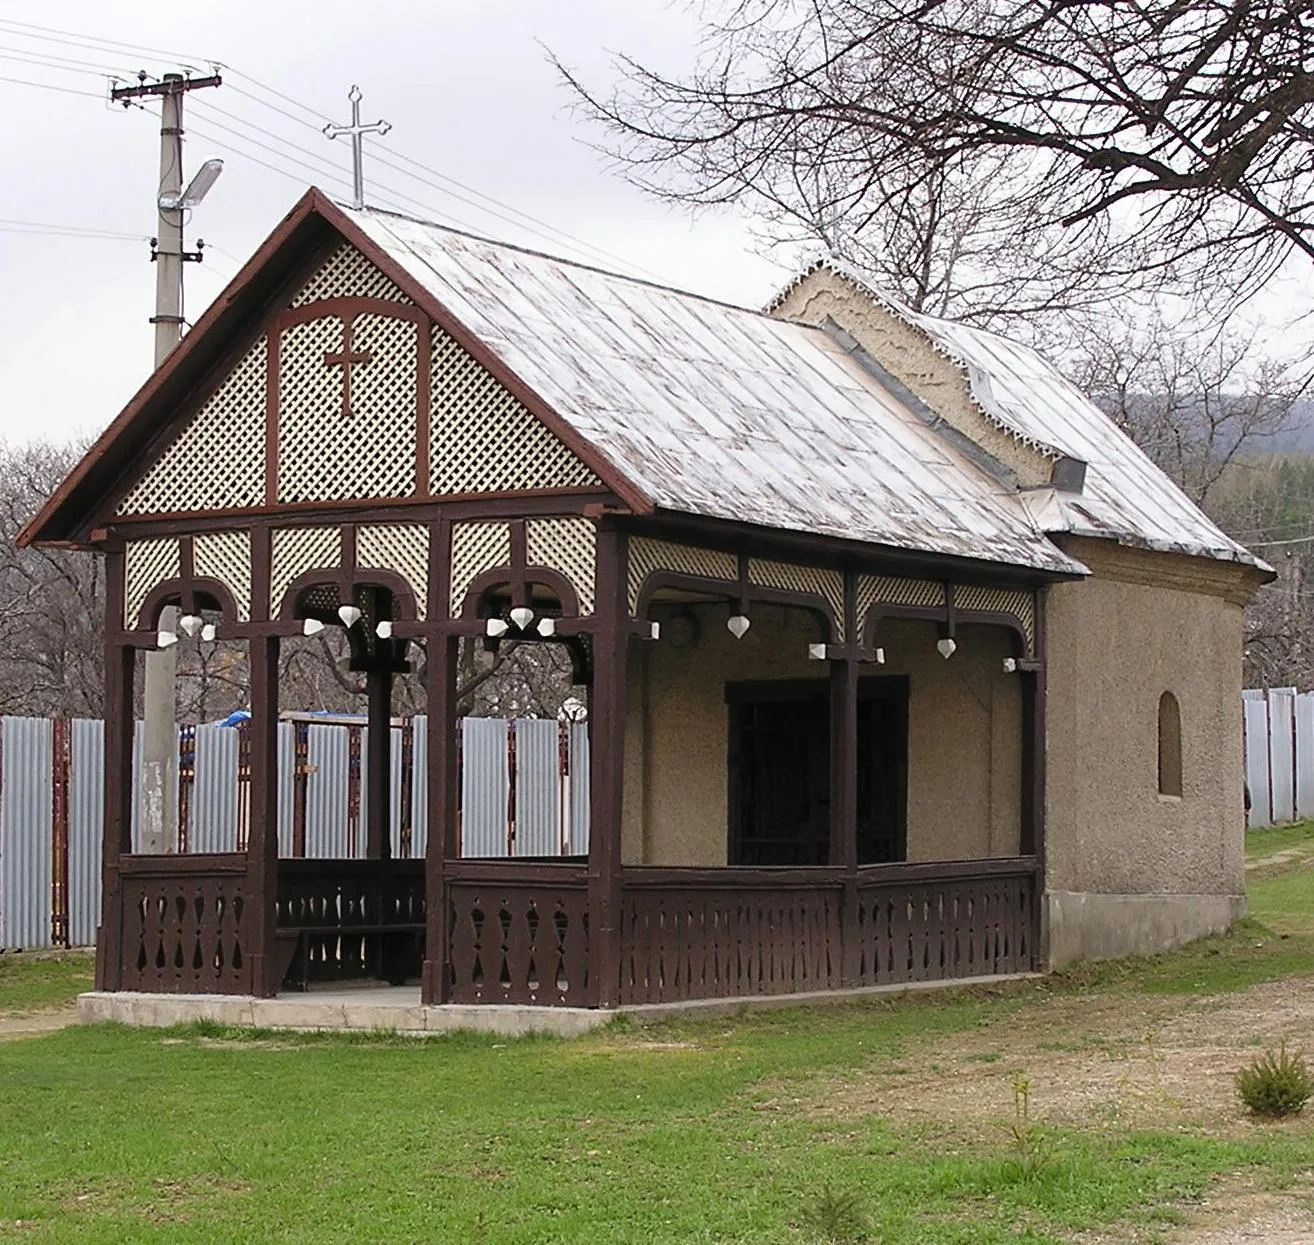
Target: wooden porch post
[
  {"x": 116, "y": 827},
  {"x": 378, "y": 779},
  {"x": 440, "y": 766},
  {"x": 1032, "y": 835},
  {"x": 843, "y": 851},
  {"x": 607, "y": 712},
  {"x": 262, "y": 840}
]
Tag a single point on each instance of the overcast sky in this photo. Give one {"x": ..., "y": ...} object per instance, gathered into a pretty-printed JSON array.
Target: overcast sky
[{"x": 466, "y": 86}]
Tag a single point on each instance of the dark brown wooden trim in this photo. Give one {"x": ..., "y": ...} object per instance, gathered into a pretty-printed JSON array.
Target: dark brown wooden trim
[
  {"x": 346, "y": 561},
  {"x": 607, "y": 714},
  {"x": 201, "y": 864},
  {"x": 499, "y": 575},
  {"x": 347, "y": 307},
  {"x": 732, "y": 593},
  {"x": 183, "y": 593},
  {"x": 273, "y": 373},
  {"x": 835, "y": 553},
  {"x": 116, "y": 815},
  {"x": 403, "y": 595},
  {"x": 261, "y": 572},
  {"x": 934, "y": 870},
  {"x": 733, "y": 877},
  {"x": 423, "y": 407},
  {"x": 262, "y": 843},
  {"x": 516, "y": 873},
  {"x": 440, "y": 671},
  {"x": 526, "y": 503}
]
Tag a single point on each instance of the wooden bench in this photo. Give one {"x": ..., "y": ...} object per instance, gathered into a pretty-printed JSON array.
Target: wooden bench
[{"x": 395, "y": 956}]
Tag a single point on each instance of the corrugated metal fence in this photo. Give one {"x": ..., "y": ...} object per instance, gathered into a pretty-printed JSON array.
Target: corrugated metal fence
[
  {"x": 524, "y": 792},
  {"x": 1279, "y": 754}
]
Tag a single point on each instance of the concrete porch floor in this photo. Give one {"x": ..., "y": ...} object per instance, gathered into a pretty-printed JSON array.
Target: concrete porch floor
[{"x": 398, "y": 1009}]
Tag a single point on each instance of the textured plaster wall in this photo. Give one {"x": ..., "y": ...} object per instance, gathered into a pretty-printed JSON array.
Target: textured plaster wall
[
  {"x": 909, "y": 355},
  {"x": 964, "y": 746},
  {"x": 1113, "y": 648}
]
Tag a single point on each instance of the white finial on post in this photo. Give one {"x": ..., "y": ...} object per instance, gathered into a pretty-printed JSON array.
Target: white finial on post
[{"x": 356, "y": 130}]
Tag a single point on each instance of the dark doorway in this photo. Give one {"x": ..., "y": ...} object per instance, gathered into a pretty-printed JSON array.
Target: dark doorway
[{"x": 779, "y": 771}]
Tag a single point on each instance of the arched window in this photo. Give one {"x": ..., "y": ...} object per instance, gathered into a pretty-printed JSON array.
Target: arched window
[{"x": 1170, "y": 745}]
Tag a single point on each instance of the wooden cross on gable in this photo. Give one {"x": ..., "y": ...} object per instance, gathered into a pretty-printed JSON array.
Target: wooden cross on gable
[{"x": 346, "y": 358}]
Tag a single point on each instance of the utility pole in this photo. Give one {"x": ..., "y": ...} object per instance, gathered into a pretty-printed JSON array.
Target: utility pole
[{"x": 159, "y": 760}]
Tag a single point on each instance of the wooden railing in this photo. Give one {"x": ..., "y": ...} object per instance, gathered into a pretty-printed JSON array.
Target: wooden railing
[
  {"x": 186, "y": 924},
  {"x": 518, "y": 933},
  {"x": 940, "y": 922},
  {"x": 718, "y": 933}
]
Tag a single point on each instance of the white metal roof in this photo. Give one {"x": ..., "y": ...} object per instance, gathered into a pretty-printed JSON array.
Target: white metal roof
[
  {"x": 1125, "y": 498},
  {"x": 716, "y": 410}
]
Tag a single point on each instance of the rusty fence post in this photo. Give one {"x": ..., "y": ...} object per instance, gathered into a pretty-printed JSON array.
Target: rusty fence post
[{"x": 59, "y": 766}]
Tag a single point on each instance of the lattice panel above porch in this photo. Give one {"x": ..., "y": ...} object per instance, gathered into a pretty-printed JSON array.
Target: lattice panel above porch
[
  {"x": 298, "y": 550},
  {"x": 217, "y": 461},
  {"x": 1014, "y": 602},
  {"x": 482, "y": 439},
  {"x": 567, "y": 546},
  {"x": 348, "y": 274},
  {"x": 648, "y": 556},
  {"x": 402, "y": 548},
  {"x": 368, "y": 451},
  {"x": 476, "y": 548},
  {"x": 147, "y": 564},
  {"x": 812, "y": 580},
  {"x": 226, "y": 556},
  {"x": 888, "y": 590}
]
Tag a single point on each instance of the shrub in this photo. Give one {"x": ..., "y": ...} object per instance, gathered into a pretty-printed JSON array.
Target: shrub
[
  {"x": 1275, "y": 1085},
  {"x": 837, "y": 1217}
]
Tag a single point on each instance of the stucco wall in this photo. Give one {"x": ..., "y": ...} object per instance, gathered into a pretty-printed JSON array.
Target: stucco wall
[
  {"x": 907, "y": 353},
  {"x": 1116, "y": 642},
  {"x": 964, "y": 736}
]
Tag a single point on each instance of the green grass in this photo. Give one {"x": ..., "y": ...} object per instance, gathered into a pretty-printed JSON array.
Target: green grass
[
  {"x": 691, "y": 1132},
  {"x": 40, "y": 981}
]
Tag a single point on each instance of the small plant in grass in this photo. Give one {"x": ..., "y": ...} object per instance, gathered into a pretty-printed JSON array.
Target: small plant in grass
[
  {"x": 1031, "y": 1149},
  {"x": 1276, "y": 1085},
  {"x": 837, "y": 1216}
]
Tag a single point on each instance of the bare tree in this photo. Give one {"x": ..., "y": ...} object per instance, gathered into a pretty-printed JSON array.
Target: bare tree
[
  {"x": 1197, "y": 401},
  {"x": 51, "y": 600},
  {"x": 1164, "y": 137}
]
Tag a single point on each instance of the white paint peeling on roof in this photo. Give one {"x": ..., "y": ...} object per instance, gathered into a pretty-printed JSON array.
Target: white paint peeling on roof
[
  {"x": 1126, "y": 497},
  {"x": 715, "y": 410}
]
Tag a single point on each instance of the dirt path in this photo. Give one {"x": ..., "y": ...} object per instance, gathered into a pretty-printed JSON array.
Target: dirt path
[
  {"x": 35, "y": 1023},
  {"x": 1160, "y": 1063},
  {"x": 1111, "y": 1061}
]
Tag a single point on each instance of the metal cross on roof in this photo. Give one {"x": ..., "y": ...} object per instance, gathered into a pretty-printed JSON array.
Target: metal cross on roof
[{"x": 356, "y": 129}]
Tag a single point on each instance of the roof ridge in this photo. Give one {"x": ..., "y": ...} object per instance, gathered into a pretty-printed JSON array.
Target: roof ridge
[{"x": 376, "y": 212}]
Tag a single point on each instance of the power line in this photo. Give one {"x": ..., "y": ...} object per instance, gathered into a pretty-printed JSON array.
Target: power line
[
  {"x": 71, "y": 38},
  {"x": 435, "y": 180},
  {"x": 42, "y": 226},
  {"x": 52, "y": 86}
]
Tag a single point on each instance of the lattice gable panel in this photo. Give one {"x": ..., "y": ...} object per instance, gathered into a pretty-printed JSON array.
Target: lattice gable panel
[
  {"x": 298, "y": 550},
  {"x": 217, "y": 460},
  {"x": 482, "y": 439},
  {"x": 348, "y": 274},
  {"x": 336, "y": 444}
]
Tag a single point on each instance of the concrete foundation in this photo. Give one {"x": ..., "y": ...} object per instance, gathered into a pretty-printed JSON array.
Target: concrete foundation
[
  {"x": 1080, "y": 925},
  {"x": 398, "y": 1009},
  {"x": 395, "y": 1009}
]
